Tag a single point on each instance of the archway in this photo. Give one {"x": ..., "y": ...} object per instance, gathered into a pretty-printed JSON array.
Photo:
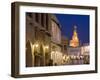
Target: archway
[{"x": 38, "y": 56}]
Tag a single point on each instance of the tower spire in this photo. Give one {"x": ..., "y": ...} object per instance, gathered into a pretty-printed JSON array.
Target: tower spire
[
  {"x": 75, "y": 27},
  {"x": 75, "y": 40}
]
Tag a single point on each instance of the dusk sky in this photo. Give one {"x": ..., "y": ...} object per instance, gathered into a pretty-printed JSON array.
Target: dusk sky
[{"x": 67, "y": 22}]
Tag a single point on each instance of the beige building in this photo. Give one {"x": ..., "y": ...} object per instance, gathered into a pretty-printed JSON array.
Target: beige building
[
  {"x": 64, "y": 43},
  {"x": 38, "y": 39},
  {"x": 85, "y": 52},
  {"x": 85, "y": 49},
  {"x": 56, "y": 54},
  {"x": 43, "y": 40}
]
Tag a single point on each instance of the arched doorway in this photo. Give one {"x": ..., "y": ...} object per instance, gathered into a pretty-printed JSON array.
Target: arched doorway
[
  {"x": 38, "y": 57},
  {"x": 28, "y": 54}
]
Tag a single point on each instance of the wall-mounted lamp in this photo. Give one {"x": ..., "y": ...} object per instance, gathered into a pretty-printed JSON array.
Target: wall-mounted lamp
[
  {"x": 36, "y": 45},
  {"x": 46, "y": 47}
]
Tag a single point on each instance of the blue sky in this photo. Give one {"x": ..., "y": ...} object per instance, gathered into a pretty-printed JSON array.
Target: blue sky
[{"x": 67, "y": 22}]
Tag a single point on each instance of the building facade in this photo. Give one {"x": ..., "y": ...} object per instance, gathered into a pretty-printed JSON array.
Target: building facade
[
  {"x": 85, "y": 52},
  {"x": 38, "y": 39},
  {"x": 64, "y": 43},
  {"x": 56, "y": 54}
]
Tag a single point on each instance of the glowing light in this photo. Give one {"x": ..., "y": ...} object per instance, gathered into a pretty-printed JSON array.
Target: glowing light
[
  {"x": 75, "y": 41},
  {"x": 36, "y": 45},
  {"x": 47, "y": 47}
]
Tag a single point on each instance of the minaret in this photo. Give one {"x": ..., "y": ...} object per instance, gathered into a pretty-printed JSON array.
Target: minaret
[{"x": 75, "y": 40}]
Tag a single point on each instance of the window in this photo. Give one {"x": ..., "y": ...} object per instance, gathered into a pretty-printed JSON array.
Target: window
[
  {"x": 42, "y": 19},
  {"x": 65, "y": 47},
  {"x": 56, "y": 33},
  {"x": 30, "y": 23},
  {"x": 47, "y": 21},
  {"x": 30, "y": 15},
  {"x": 35, "y": 32},
  {"x": 37, "y": 17}
]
